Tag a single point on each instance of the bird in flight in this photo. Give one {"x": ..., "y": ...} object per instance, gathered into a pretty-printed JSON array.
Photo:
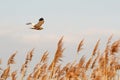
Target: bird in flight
[{"x": 37, "y": 26}]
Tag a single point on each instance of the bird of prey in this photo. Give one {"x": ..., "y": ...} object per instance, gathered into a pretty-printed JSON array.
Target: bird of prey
[{"x": 37, "y": 26}]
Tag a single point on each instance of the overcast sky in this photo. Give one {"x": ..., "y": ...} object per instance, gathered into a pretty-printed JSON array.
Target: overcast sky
[{"x": 73, "y": 19}]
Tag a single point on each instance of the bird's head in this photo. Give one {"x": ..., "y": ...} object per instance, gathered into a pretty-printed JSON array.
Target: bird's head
[{"x": 41, "y": 19}]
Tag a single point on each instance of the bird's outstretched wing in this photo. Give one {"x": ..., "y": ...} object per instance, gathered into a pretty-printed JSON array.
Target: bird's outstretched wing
[
  {"x": 39, "y": 24},
  {"x": 28, "y": 23}
]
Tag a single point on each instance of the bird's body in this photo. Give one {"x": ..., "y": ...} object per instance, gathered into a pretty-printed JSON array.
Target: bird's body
[{"x": 37, "y": 26}]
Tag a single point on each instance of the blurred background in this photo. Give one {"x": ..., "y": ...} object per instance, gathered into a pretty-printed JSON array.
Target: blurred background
[{"x": 74, "y": 19}]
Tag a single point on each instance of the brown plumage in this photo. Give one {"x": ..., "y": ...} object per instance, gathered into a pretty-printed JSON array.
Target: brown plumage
[{"x": 37, "y": 26}]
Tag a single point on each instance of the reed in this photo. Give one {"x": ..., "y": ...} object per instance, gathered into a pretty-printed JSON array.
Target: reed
[{"x": 101, "y": 65}]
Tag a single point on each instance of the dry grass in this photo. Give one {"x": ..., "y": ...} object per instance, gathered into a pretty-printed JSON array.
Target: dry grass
[{"x": 101, "y": 65}]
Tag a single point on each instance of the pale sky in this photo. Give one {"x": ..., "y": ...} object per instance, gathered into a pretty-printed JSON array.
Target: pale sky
[{"x": 73, "y": 19}]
